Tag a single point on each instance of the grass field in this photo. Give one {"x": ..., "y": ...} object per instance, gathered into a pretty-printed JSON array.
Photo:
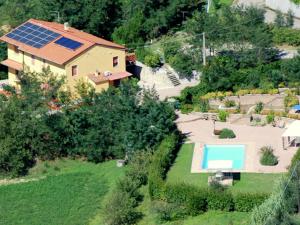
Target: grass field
[
  {"x": 249, "y": 182},
  {"x": 68, "y": 192}
]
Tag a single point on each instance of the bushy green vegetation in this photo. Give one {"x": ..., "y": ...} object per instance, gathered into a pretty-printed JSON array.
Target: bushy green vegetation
[
  {"x": 283, "y": 203},
  {"x": 290, "y": 100},
  {"x": 270, "y": 117},
  {"x": 223, "y": 115},
  {"x": 229, "y": 103},
  {"x": 96, "y": 130},
  {"x": 285, "y": 35},
  {"x": 210, "y": 217},
  {"x": 66, "y": 192},
  {"x": 152, "y": 60},
  {"x": 120, "y": 207},
  {"x": 256, "y": 68},
  {"x": 176, "y": 200},
  {"x": 259, "y": 107},
  {"x": 226, "y": 133},
  {"x": 267, "y": 157},
  {"x": 162, "y": 160},
  {"x": 248, "y": 182},
  {"x": 295, "y": 159}
]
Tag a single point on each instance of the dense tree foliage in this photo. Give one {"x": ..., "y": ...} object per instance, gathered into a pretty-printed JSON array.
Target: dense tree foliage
[
  {"x": 111, "y": 124},
  {"x": 131, "y": 21}
]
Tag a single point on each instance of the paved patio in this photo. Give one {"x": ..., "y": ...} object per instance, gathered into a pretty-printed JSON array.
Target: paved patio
[{"x": 201, "y": 132}]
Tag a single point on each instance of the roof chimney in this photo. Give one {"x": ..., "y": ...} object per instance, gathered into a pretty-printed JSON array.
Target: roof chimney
[{"x": 66, "y": 26}]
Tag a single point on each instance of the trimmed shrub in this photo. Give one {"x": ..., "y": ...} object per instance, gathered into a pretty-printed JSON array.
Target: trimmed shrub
[
  {"x": 245, "y": 202},
  {"x": 284, "y": 35},
  {"x": 290, "y": 100},
  {"x": 267, "y": 157},
  {"x": 120, "y": 209},
  {"x": 259, "y": 107},
  {"x": 216, "y": 186},
  {"x": 192, "y": 198},
  {"x": 167, "y": 211},
  {"x": 203, "y": 105},
  {"x": 226, "y": 133},
  {"x": 130, "y": 186},
  {"x": 197, "y": 202},
  {"x": 242, "y": 92},
  {"x": 223, "y": 115},
  {"x": 153, "y": 60},
  {"x": 229, "y": 103},
  {"x": 186, "y": 108},
  {"x": 220, "y": 201},
  {"x": 161, "y": 162},
  {"x": 270, "y": 117},
  {"x": 138, "y": 166}
]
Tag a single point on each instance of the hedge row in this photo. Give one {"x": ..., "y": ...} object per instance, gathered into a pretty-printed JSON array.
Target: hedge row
[
  {"x": 220, "y": 94},
  {"x": 120, "y": 206},
  {"x": 191, "y": 199},
  {"x": 162, "y": 159},
  {"x": 198, "y": 200}
]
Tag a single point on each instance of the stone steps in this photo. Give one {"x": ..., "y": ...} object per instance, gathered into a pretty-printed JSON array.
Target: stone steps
[{"x": 173, "y": 79}]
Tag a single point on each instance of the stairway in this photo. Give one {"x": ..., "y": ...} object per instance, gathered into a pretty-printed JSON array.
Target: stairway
[{"x": 173, "y": 79}]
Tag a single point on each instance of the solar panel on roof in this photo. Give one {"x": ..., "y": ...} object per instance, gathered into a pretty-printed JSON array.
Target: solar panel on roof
[
  {"x": 68, "y": 43},
  {"x": 33, "y": 35}
]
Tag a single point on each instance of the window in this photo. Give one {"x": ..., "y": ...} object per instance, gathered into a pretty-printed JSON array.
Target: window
[
  {"x": 32, "y": 59},
  {"x": 16, "y": 49},
  {"x": 74, "y": 70},
  {"x": 115, "y": 61}
]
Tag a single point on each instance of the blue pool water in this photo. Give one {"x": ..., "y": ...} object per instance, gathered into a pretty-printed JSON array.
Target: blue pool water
[{"x": 236, "y": 153}]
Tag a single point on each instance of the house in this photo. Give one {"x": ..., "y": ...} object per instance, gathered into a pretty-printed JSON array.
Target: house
[{"x": 66, "y": 51}]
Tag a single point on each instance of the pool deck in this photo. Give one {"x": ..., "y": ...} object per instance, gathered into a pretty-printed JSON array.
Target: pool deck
[{"x": 200, "y": 132}]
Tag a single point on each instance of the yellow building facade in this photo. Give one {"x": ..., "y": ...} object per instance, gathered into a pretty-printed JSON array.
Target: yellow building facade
[{"x": 96, "y": 61}]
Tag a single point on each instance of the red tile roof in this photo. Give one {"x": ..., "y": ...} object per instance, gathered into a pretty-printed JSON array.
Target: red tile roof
[
  {"x": 119, "y": 75},
  {"x": 97, "y": 79},
  {"x": 56, "y": 53},
  {"x": 12, "y": 64}
]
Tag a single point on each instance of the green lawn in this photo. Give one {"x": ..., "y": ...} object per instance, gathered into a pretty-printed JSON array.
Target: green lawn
[
  {"x": 69, "y": 192},
  {"x": 226, "y": 2},
  {"x": 249, "y": 182},
  {"x": 219, "y": 218}
]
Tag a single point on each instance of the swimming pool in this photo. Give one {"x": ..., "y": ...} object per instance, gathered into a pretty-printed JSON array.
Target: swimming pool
[{"x": 228, "y": 155}]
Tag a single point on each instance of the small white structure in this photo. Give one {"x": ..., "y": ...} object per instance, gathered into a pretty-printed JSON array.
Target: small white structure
[
  {"x": 292, "y": 134},
  {"x": 219, "y": 166},
  {"x": 121, "y": 162}
]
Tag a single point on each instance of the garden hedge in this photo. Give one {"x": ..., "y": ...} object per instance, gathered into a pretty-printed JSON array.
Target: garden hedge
[
  {"x": 191, "y": 199},
  {"x": 217, "y": 200},
  {"x": 245, "y": 202},
  {"x": 162, "y": 159},
  {"x": 197, "y": 200}
]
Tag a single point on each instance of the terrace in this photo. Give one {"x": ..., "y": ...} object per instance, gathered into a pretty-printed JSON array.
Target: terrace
[{"x": 200, "y": 132}]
